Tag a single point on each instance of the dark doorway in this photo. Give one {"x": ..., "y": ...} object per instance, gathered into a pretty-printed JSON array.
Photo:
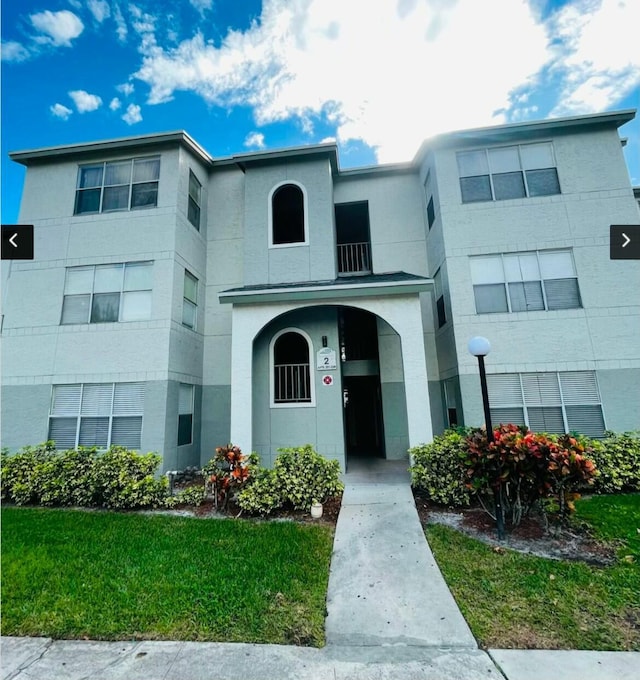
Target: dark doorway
[
  {"x": 363, "y": 416},
  {"x": 352, "y": 238}
]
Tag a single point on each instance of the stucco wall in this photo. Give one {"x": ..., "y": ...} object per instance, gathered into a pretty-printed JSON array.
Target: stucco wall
[
  {"x": 313, "y": 261},
  {"x": 283, "y": 426}
]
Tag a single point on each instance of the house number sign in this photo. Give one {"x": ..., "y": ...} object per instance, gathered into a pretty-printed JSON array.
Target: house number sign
[{"x": 326, "y": 359}]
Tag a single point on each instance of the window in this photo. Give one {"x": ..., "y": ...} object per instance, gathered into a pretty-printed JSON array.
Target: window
[
  {"x": 431, "y": 215},
  {"x": 102, "y": 415},
  {"x": 287, "y": 215},
  {"x": 442, "y": 314},
  {"x": 525, "y": 282},
  {"x": 428, "y": 192},
  {"x": 291, "y": 370},
  {"x": 190, "y": 302},
  {"x": 185, "y": 414},
  {"x": 118, "y": 185},
  {"x": 193, "y": 210},
  {"x": 508, "y": 172},
  {"x": 548, "y": 402},
  {"x": 107, "y": 292}
]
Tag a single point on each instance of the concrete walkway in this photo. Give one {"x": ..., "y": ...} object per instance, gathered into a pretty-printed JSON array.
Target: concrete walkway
[
  {"x": 385, "y": 586},
  {"x": 390, "y": 615}
]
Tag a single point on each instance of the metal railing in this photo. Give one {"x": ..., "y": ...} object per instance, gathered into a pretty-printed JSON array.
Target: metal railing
[
  {"x": 292, "y": 383},
  {"x": 354, "y": 258}
]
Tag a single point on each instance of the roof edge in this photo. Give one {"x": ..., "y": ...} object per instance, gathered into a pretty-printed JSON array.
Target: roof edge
[
  {"x": 31, "y": 156},
  {"x": 611, "y": 118}
]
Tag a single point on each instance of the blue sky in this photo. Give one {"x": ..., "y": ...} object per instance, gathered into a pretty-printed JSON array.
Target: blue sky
[{"x": 378, "y": 77}]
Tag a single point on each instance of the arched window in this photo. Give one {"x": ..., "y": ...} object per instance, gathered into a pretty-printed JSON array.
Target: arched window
[
  {"x": 291, "y": 370},
  {"x": 287, "y": 215}
]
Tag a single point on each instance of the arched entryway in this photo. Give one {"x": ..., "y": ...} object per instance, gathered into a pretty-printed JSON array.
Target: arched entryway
[{"x": 388, "y": 395}]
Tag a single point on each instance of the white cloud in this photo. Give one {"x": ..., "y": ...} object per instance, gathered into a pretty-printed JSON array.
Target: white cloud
[
  {"x": 100, "y": 9},
  {"x": 60, "y": 111},
  {"x": 402, "y": 72},
  {"x": 132, "y": 115},
  {"x": 115, "y": 104},
  {"x": 390, "y": 81},
  {"x": 59, "y": 28},
  {"x": 84, "y": 101},
  {"x": 202, "y": 5},
  {"x": 14, "y": 51},
  {"x": 595, "y": 53},
  {"x": 328, "y": 140},
  {"x": 254, "y": 140},
  {"x": 126, "y": 88},
  {"x": 121, "y": 25}
]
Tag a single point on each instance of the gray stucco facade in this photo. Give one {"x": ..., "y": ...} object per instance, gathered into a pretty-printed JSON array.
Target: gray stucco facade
[{"x": 231, "y": 279}]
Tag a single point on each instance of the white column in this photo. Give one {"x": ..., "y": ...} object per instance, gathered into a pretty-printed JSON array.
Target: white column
[
  {"x": 242, "y": 335},
  {"x": 416, "y": 383},
  {"x": 404, "y": 315}
]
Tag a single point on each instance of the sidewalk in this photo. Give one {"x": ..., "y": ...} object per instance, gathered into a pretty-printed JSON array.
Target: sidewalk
[{"x": 390, "y": 615}]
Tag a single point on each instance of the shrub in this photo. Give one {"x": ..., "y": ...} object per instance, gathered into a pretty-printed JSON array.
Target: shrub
[
  {"x": 299, "y": 476},
  {"x": 304, "y": 476},
  {"x": 65, "y": 478},
  {"x": 263, "y": 493},
  {"x": 190, "y": 495},
  {"x": 19, "y": 470},
  {"x": 617, "y": 458},
  {"x": 122, "y": 478},
  {"x": 523, "y": 467},
  {"x": 226, "y": 473},
  {"x": 438, "y": 470},
  {"x": 117, "y": 478}
]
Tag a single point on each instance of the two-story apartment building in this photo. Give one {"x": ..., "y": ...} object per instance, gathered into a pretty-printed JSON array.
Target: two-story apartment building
[{"x": 179, "y": 301}]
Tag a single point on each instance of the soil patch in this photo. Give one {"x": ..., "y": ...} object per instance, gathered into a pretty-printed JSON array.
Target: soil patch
[
  {"x": 330, "y": 512},
  {"x": 532, "y": 536}
]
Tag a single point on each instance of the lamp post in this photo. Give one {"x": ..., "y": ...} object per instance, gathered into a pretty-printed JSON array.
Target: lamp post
[{"x": 479, "y": 347}]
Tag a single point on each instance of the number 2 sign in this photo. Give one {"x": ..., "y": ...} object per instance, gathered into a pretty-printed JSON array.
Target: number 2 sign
[{"x": 326, "y": 359}]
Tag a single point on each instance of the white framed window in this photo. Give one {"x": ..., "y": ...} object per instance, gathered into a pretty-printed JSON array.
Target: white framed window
[
  {"x": 566, "y": 401},
  {"x": 185, "y": 414},
  {"x": 97, "y": 414},
  {"x": 525, "y": 282},
  {"x": 288, "y": 215},
  {"x": 195, "y": 193},
  {"x": 292, "y": 381},
  {"x": 107, "y": 292},
  {"x": 190, "y": 301},
  {"x": 117, "y": 185},
  {"x": 501, "y": 173}
]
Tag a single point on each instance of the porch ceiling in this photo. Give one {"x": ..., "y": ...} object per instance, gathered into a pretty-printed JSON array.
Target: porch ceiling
[{"x": 395, "y": 283}]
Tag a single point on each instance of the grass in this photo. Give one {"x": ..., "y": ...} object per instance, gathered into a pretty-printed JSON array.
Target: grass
[
  {"x": 111, "y": 576},
  {"x": 512, "y": 600}
]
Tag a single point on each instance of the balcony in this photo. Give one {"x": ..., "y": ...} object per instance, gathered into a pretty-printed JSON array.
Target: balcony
[{"x": 354, "y": 258}]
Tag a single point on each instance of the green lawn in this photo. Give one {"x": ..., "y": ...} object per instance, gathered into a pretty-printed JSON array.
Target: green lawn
[
  {"x": 105, "y": 575},
  {"x": 512, "y": 600}
]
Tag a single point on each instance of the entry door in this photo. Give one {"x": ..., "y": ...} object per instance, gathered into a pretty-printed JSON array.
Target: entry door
[{"x": 363, "y": 416}]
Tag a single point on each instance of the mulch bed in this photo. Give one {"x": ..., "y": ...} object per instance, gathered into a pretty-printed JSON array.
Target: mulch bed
[
  {"x": 532, "y": 536},
  {"x": 330, "y": 512}
]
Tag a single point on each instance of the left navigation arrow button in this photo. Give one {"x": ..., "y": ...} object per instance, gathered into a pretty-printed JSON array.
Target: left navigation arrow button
[{"x": 17, "y": 241}]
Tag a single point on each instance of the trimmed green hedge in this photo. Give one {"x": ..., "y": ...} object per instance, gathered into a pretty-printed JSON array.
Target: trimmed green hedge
[{"x": 117, "y": 478}]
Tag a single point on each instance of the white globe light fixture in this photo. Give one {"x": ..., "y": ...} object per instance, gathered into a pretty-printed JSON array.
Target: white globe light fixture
[{"x": 479, "y": 346}]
